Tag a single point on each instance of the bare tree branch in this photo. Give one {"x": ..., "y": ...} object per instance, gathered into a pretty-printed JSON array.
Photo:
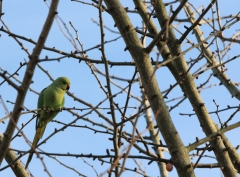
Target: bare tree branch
[{"x": 27, "y": 80}]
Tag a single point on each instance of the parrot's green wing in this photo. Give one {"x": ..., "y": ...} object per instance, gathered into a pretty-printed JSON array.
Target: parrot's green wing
[
  {"x": 51, "y": 99},
  {"x": 40, "y": 105}
]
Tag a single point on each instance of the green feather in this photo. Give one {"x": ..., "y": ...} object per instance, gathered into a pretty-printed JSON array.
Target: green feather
[{"x": 51, "y": 100}]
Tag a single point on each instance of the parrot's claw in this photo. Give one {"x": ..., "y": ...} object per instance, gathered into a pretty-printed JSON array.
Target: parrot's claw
[{"x": 48, "y": 110}]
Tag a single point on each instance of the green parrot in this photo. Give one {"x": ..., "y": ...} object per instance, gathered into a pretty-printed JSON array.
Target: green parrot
[{"x": 51, "y": 100}]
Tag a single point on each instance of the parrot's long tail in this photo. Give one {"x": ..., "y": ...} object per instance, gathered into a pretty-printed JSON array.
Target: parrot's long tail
[{"x": 38, "y": 135}]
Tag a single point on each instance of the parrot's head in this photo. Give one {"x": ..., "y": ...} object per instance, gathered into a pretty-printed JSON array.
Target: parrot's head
[{"x": 63, "y": 83}]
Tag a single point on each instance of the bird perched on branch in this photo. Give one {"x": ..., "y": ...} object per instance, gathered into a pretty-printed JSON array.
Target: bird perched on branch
[{"x": 51, "y": 101}]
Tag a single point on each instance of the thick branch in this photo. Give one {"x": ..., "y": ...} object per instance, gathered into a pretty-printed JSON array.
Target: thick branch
[
  {"x": 17, "y": 166},
  {"x": 27, "y": 80},
  {"x": 222, "y": 77},
  {"x": 159, "y": 36},
  {"x": 211, "y": 59},
  {"x": 208, "y": 138},
  {"x": 141, "y": 58},
  {"x": 180, "y": 71}
]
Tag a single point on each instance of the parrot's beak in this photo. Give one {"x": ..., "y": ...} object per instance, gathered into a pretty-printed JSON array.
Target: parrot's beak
[{"x": 68, "y": 87}]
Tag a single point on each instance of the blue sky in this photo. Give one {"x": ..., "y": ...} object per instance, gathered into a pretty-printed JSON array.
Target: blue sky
[{"x": 26, "y": 18}]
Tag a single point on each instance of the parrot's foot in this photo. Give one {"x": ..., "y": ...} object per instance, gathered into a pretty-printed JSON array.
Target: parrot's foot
[{"x": 49, "y": 110}]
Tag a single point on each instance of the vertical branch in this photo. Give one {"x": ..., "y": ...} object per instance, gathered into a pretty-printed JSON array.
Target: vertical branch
[
  {"x": 1, "y": 8},
  {"x": 149, "y": 82},
  {"x": 222, "y": 77},
  {"x": 115, "y": 134},
  {"x": 27, "y": 80},
  {"x": 189, "y": 88},
  {"x": 219, "y": 18},
  {"x": 148, "y": 115}
]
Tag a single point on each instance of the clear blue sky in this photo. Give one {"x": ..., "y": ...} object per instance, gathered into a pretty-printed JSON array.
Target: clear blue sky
[{"x": 25, "y": 18}]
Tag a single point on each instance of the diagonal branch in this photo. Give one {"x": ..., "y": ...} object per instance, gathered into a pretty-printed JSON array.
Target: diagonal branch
[
  {"x": 235, "y": 158},
  {"x": 210, "y": 57},
  {"x": 209, "y": 137},
  {"x": 17, "y": 166},
  {"x": 27, "y": 80},
  {"x": 159, "y": 36},
  {"x": 196, "y": 22},
  {"x": 150, "y": 85},
  {"x": 179, "y": 69}
]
